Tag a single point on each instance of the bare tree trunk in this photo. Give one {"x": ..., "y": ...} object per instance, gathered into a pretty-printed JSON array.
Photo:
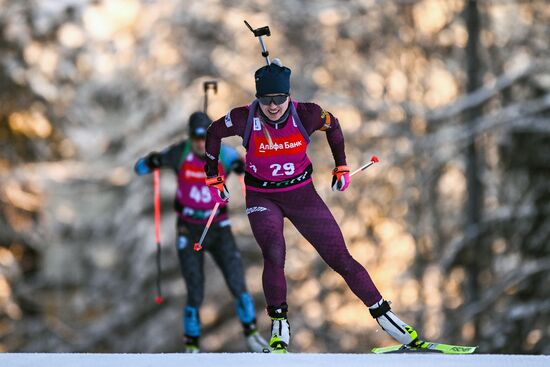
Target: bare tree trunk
[{"x": 475, "y": 195}]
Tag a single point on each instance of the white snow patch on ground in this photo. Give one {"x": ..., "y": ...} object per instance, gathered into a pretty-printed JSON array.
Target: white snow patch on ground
[{"x": 267, "y": 360}]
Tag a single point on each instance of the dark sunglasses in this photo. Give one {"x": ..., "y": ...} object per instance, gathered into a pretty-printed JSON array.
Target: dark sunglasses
[{"x": 278, "y": 99}]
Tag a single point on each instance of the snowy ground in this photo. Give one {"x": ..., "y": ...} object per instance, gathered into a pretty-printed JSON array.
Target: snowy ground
[{"x": 267, "y": 360}]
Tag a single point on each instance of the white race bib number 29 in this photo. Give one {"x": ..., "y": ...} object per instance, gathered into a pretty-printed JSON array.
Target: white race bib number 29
[
  {"x": 287, "y": 168},
  {"x": 200, "y": 196}
]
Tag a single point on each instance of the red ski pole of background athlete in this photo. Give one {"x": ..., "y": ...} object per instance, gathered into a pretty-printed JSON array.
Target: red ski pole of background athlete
[{"x": 156, "y": 190}]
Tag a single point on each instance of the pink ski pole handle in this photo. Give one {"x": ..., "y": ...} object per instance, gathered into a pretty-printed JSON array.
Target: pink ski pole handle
[{"x": 374, "y": 159}]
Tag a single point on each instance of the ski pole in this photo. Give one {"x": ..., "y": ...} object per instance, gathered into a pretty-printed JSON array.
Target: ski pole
[
  {"x": 260, "y": 32},
  {"x": 211, "y": 84},
  {"x": 374, "y": 159},
  {"x": 156, "y": 190},
  {"x": 198, "y": 246}
]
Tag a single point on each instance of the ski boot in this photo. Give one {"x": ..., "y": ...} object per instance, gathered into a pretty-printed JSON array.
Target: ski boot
[
  {"x": 191, "y": 344},
  {"x": 192, "y": 329},
  {"x": 255, "y": 342},
  {"x": 280, "y": 329},
  {"x": 391, "y": 324},
  {"x": 247, "y": 314}
]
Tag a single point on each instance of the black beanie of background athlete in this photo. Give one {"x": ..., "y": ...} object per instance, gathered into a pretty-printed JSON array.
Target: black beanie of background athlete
[
  {"x": 272, "y": 79},
  {"x": 198, "y": 123}
]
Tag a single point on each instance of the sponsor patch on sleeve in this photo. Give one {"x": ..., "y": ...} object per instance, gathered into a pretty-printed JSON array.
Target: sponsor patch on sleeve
[{"x": 327, "y": 120}]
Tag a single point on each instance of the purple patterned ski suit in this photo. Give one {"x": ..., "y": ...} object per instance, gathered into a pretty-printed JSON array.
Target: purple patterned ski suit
[{"x": 278, "y": 185}]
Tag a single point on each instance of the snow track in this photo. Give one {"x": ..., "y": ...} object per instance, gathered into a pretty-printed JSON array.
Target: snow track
[{"x": 267, "y": 360}]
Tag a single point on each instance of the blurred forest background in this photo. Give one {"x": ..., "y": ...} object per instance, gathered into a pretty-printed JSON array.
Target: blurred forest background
[{"x": 453, "y": 223}]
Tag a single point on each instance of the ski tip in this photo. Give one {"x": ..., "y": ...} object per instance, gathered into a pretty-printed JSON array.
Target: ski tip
[
  {"x": 390, "y": 349},
  {"x": 458, "y": 349}
]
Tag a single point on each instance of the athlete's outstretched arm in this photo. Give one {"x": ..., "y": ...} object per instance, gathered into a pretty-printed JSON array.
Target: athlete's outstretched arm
[{"x": 167, "y": 158}]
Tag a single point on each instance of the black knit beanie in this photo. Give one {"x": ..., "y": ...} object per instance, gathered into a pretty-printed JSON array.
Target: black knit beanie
[
  {"x": 198, "y": 123},
  {"x": 272, "y": 79}
]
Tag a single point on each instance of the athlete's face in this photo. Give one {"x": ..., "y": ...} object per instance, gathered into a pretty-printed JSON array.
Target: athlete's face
[
  {"x": 272, "y": 110},
  {"x": 198, "y": 145}
]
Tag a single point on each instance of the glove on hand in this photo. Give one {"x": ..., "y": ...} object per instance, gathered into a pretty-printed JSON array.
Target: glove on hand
[
  {"x": 153, "y": 160},
  {"x": 340, "y": 178},
  {"x": 218, "y": 190}
]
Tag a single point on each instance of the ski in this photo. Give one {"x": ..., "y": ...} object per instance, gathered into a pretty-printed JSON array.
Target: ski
[{"x": 426, "y": 347}]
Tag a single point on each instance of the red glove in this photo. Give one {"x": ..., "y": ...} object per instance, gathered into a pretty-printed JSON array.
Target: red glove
[
  {"x": 340, "y": 178},
  {"x": 218, "y": 190}
]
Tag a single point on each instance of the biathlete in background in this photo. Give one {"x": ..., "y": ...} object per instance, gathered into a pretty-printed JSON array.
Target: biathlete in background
[{"x": 194, "y": 204}]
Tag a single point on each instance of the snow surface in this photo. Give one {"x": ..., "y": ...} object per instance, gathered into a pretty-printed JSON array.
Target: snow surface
[{"x": 267, "y": 360}]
